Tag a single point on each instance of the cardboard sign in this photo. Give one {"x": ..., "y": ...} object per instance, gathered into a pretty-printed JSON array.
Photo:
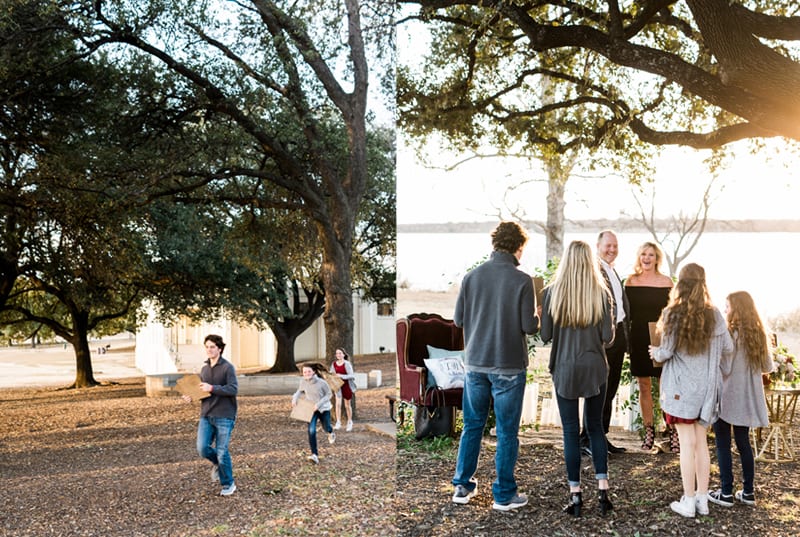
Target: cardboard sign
[
  {"x": 655, "y": 340},
  {"x": 190, "y": 385},
  {"x": 538, "y": 289},
  {"x": 655, "y": 336},
  {"x": 334, "y": 381},
  {"x": 303, "y": 410}
]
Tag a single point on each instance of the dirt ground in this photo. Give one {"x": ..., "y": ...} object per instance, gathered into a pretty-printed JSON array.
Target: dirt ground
[{"x": 109, "y": 461}]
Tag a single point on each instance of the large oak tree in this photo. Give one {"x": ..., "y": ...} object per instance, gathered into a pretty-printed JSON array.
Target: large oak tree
[{"x": 280, "y": 73}]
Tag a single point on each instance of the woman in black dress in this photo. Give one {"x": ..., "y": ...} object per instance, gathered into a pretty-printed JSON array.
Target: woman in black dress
[{"x": 648, "y": 293}]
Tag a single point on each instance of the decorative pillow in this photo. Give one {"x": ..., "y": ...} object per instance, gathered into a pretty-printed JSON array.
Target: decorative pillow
[
  {"x": 446, "y": 373},
  {"x": 436, "y": 353}
]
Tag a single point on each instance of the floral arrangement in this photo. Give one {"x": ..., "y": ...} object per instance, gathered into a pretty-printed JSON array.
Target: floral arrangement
[{"x": 784, "y": 369}]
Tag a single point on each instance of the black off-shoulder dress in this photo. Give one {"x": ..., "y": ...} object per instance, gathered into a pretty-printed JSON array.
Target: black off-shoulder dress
[{"x": 646, "y": 304}]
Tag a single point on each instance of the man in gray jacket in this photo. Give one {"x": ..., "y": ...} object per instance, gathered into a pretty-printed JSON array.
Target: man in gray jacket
[{"x": 496, "y": 307}]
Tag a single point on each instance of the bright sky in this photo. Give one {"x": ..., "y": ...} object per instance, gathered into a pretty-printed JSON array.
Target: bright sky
[{"x": 765, "y": 185}]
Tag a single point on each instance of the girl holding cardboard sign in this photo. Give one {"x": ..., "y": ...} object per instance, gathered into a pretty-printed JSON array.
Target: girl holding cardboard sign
[
  {"x": 342, "y": 367},
  {"x": 317, "y": 391}
]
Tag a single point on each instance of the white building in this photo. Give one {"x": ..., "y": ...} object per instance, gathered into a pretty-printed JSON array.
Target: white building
[{"x": 177, "y": 347}]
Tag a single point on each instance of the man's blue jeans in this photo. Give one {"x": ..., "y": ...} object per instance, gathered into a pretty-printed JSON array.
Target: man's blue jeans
[
  {"x": 208, "y": 430},
  {"x": 507, "y": 392},
  {"x": 570, "y": 426},
  {"x": 325, "y": 418},
  {"x": 722, "y": 439}
]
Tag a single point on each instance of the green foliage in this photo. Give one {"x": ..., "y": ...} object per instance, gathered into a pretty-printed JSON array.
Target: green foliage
[{"x": 440, "y": 447}]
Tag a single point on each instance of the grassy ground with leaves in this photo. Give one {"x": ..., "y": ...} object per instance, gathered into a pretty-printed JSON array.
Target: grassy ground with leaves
[{"x": 109, "y": 461}]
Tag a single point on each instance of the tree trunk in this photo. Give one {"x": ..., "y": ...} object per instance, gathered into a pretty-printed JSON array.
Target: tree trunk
[
  {"x": 84, "y": 376},
  {"x": 338, "y": 316},
  {"x": 554, "y": 230},
  {"x": 284, "y": 357}
]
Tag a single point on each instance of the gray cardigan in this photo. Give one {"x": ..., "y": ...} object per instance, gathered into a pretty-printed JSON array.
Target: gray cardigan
[
  {"x": 496, "y": 308},
  {"x": 317, "y": 391},
  {"x": 691, "y": 384},
  {"x": 742, "y": 401},
  {"x": 578, "y": 356}
]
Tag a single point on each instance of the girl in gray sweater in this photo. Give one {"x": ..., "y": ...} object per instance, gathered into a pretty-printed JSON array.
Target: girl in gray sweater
[
  {"x": 317, "y": 391},
  {"x": 694, "y": 340},
  {"x": 742, "y": 402}
]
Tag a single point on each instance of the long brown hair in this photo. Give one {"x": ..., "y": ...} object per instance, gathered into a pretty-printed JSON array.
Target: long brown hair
[
  {"x": 689, "y": 312},
  {"x": 745, "y": 325}
]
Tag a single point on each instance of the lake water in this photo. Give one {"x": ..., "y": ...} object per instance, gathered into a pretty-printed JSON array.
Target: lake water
[{"x": 764, "y": 264}]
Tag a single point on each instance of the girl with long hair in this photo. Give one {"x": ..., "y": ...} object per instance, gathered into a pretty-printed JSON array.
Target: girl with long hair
[
  {"x": 742, "y": 402},
  {"x": 576, "y": 316},
  {"x": 343, "y": 368},
  {"x": 694, "y": 339}
]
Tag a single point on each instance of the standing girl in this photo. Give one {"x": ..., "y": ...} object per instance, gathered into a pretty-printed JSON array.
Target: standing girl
[
  {"x": 344, "y": 369},
  {"x": 742, "y": 403},
  {"x": 694, "y": 340},
  {"x": 576, "y": 316},
  {"x": 317, "y": 391}
]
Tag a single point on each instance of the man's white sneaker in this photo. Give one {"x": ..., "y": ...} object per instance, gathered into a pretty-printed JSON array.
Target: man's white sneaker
[
  {"x": 227, "y": 491},
  {"x": 314, "y": 459},
  {"x": 463, "y": 495}
]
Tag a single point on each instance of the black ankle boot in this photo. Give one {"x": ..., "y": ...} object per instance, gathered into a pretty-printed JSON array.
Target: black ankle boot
[
  {"x": 604, "y": 502},
  {"x": 574, "y": 506}
]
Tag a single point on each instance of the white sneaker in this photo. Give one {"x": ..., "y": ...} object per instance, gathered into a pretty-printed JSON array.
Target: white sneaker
[
  {"x": 701, "y": 503},
  {"x": 331, "y": 438},
  {"x": 349, "y": 426},
  {"x": 337, "y": 426},
  {"x": 227, "y": 491},
  {"x": 313, "y": 458},
  {"x": 685, "y": 507}
]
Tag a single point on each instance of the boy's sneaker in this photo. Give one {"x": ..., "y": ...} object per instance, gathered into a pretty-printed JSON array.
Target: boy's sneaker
[
  {"x": 314, "y": 459},
  {"x": 331, "y": 438},
  {"x": 227, "y": 491},
  {"x": 747, "y": 498},
  {"x": 337, "y": 426},
  {"x": 717, "y": 497},
  {"x": 463, "y": 495},
  {"x": 349, "y": 426},
  {"x": 514, "y": 503},
  {"x": 215, "y": 474}
]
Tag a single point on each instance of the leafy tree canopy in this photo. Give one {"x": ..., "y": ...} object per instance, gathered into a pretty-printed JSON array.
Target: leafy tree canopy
[{"x": 701, "y": 73}]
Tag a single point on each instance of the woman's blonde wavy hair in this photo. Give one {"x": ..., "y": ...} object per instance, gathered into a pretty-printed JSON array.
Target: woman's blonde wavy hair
[
  {"x": 637, "y": 266},
  {"x": 578, "y": 292},
  {"x": 689, "y": 312},
  {"x": 745, "y": 325}
]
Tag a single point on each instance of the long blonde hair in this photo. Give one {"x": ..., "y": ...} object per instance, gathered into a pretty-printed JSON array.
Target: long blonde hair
[
  {"x": 578, "y": 292},
  {"x": 689, "y": 313},
  {"x": 745, "y": 323}
]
